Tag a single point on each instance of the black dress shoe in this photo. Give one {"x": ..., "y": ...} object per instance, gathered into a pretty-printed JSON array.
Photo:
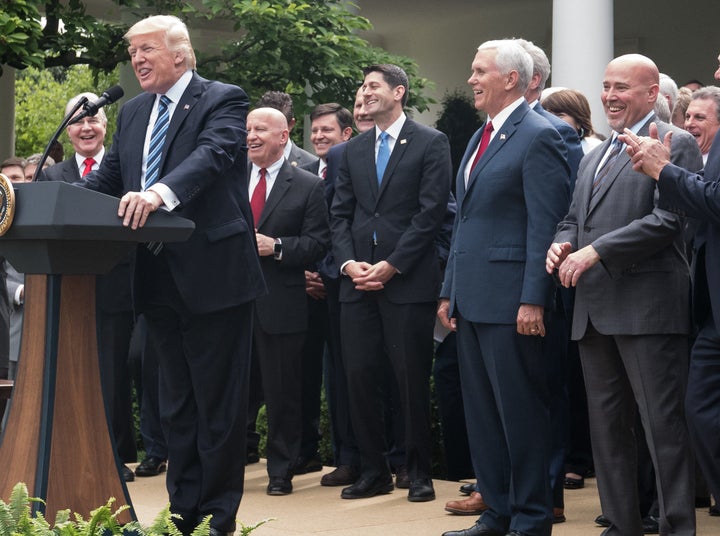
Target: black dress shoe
[
  {"x": 574, "y": 483},
  {"x": 714, "y": 510},
  {"x": 307, "y": 465},
  {"x": 421, "y": 490},
  {"x": 368, "y": 487},
  {"x": 344, "y": 475},
  {"x": 467, "y": 489},
  {"x": 478, "y": 529},
  {"x": 127, "y": 474},
  {"x": 602, "y": 521},
  {"x": 151, "y": 466},
  {"x": 651, "y": 525},
  {"x": 252, "y": 456},
  {"x": 402, "y": 481},
  {"x": 279, "y": 486}
]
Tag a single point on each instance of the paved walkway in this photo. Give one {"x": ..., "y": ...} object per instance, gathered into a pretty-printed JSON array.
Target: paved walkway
[{"x": 313, "y": 509}]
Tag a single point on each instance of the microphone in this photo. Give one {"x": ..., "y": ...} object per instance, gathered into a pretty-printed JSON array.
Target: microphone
[{"x": 90, "y": 109}]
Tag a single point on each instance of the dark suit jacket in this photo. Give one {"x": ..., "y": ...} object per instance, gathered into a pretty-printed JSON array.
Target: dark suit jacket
[
  {"x": 296, "y": 213},
  {"x": 205, "y": 165},
  {"x": 697, "y": 195},
  {"x": 506, "y": 217},
  {"x": 569, "y": 136},
  {"x": 398, "y": 221},
  {"x": 642, "y": 285},
  {"x": 113, "y": 291}
]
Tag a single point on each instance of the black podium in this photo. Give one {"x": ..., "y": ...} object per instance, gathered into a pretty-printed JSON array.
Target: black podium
[{"x": 57, "y": 437}]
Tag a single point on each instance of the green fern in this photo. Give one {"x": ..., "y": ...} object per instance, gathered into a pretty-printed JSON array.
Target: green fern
[{"x": 18, "y": 519}]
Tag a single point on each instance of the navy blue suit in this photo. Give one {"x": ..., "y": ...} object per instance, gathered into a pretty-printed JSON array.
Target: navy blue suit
[
  {"x": 197, "y": 295},
  {"x": 506, "y": 217},
  {"x": 396, "y": 221},
  {"x": 698, "y": 196}
]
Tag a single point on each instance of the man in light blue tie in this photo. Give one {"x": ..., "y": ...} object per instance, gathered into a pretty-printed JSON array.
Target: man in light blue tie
[{"x": 383, "y": 232}]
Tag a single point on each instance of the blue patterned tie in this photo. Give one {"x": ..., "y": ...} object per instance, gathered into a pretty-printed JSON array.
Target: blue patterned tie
[
  {"x": 157, "y": 139},
  {"x": 382, "y": 157}
]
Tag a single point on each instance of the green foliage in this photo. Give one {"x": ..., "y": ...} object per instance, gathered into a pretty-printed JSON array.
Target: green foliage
[
  {"x": 309, "y": 49},
  {"x": 17, "y": 519},
  {"x": 459, "y": 120},
  {"x": 20, "y": 34},
  {"x": 40, "y": 99}
]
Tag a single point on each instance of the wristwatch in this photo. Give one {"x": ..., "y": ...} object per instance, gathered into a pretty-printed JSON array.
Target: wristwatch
[{"x": 277, "y": 249}]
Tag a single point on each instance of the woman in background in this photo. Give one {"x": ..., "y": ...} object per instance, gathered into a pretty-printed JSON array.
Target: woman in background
[{"x": 572, "y": 107}]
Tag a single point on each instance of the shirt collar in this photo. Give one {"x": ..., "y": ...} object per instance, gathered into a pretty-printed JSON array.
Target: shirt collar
[
  {"x": 394, "y": 129},
  {"x": 177, "y": 90},
  {"x": 80, "y": 159},
  {"x": 499, "y": 120}
]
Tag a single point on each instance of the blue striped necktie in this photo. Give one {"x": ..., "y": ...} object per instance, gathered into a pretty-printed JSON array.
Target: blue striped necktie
[
  {"x": 383, "y": 156},
  {"x": 157, "y": 139}
]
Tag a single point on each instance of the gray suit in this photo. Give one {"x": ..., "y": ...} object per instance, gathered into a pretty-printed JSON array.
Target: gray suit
[
  {"x": 631, "y": 319},
  {"x": 300, "y": 157}
]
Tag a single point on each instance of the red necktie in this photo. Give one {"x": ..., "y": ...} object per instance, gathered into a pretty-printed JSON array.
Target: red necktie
[
  {"x": 484, "y": 142},
  {"x": 324, "y": 173},
  {"x": 89, "y": 163},
  {"x": 257, "y": 202}
]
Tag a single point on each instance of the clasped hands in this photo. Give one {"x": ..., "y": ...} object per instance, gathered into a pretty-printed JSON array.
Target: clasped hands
[
  {"x": 570, "y": 266},
  {"x": 368, "y": 276}
]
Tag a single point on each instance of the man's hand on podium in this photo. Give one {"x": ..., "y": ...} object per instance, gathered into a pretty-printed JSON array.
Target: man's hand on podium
[{"x": 135, "y": 207}]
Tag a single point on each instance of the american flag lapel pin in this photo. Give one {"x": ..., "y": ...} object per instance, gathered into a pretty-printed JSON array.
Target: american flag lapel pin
[
  {"x": 502, "y": 136},
  {"x": 403, "y": 141},
  {"x": 186, "y": 107}
]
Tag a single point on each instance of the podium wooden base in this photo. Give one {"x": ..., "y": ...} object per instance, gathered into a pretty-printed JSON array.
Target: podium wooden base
[{"x": 57, "y": 438}]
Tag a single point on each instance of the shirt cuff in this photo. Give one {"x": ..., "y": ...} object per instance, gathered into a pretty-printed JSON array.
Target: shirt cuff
[{"x": 169, "y": 198}]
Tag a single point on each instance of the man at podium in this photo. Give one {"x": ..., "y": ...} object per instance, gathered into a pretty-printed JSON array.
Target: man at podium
[{"x": 180, "y": 146}]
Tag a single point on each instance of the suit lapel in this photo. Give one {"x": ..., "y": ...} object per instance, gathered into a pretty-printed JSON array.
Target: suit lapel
[
  {"x": 618, "y": 167},
  {"x": 139, "y": 122},
  {"x": 182, "y": 110},
  {"x": 502, "y": 136}
]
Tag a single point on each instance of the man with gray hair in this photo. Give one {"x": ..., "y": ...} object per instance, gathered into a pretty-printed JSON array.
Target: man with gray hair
[
  {"x": 669, "y": 90},
  {"x": 512, "y": 188},
  {"x": 702, "y": 118}
]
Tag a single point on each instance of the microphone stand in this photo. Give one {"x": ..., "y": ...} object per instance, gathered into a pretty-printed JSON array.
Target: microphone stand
[{"x": 81, "y": 102}]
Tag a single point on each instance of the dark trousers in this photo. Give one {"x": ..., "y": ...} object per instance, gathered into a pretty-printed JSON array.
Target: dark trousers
[
  {"x": 345, "y": 449},
  {"x": 280, "y": 360},
  {"x": 312, "y": 375},
  {"x": 114, "y": 330},
  {"x": 375, "y": 330},
  {"x": 446, "y": 373},
  {"x": 204, "y": 364},
  {"x": 504, "y": 392},
  {"x": 702, "y": 404},
  {"x": 153, "y": 435}
]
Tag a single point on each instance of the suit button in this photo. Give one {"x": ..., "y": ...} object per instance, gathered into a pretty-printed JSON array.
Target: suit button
[
  {"x": 377, "y": 215},
  {"x": 587, "y": 228}
]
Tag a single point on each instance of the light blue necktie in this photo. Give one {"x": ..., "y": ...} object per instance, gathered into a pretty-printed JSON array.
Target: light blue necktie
[
  {"x": 382, "y": 157},
  {"x": 157, "y": 139}
]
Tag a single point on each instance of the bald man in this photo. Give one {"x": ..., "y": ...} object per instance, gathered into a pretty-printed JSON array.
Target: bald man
[
  {"x": 291, "y": 226},
  {"x": 625, "y": 256}
]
